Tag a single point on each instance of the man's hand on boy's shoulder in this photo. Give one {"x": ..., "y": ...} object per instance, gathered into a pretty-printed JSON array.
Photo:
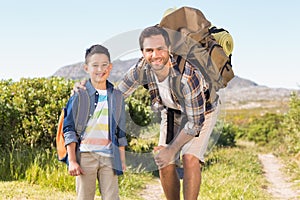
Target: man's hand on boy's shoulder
[{"x": 78, "y": 85}]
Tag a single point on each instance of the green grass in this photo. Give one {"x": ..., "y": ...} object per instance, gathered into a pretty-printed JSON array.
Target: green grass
[
  {"x": 230, "y": 173},
  {"x": 25, "y": 190},
  {"x": 233, "y": 173}
]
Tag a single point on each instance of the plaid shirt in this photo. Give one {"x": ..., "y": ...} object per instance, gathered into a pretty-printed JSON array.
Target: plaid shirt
[{"x": 193, "y": 88}]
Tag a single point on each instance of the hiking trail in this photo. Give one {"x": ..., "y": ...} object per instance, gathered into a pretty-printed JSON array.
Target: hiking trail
[
  {"x": 153, "y": 191},
  {"x": 279, "y": 187}
]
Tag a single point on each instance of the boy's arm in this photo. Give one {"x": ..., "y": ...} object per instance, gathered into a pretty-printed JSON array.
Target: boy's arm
[
  {"x": 70, "y": 136},
  {"x": 122, "y": 156},
  {"x": 69, "y": 123},
  {"x": 74, "y": 168}
]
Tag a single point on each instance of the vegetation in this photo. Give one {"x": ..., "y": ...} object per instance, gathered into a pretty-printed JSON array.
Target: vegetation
[
  {"x": 29, "y": 111},
  {"x": 233, "y": 173}
]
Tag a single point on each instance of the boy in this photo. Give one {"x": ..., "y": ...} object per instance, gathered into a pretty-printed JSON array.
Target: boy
[{"x": 102, "y": 143}]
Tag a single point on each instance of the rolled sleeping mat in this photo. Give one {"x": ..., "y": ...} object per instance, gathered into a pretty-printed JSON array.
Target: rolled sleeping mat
[{"x": 225, "y": 40}]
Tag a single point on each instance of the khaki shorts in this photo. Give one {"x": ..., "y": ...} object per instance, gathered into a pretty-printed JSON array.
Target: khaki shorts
[{"x": 197, "y": 146}]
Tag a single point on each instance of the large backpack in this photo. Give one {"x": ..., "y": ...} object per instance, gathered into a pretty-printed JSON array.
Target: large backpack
[
  {"x": 194, "y": 39},
  {"x": 80, "y": 120}
]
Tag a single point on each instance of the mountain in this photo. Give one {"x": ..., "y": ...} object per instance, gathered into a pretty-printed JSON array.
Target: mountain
[
  {"x": 240, "y": 93},
  {"x": 76, "y": 72}
]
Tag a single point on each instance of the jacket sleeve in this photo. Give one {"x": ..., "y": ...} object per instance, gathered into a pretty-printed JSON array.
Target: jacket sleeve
[
  {"x": 130, "y": 81},
  {"x": 69, "y": 122},
  {"x": 194, "y": 103},
  {"x": 121, "y": 120}
]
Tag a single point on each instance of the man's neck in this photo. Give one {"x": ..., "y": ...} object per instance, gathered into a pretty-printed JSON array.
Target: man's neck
[{"x": 163, "y": 73}]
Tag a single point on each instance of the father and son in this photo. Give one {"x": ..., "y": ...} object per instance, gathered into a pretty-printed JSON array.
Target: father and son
[{"x": 102, "y": 145}]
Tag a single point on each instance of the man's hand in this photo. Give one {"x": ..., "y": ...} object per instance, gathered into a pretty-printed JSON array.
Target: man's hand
[
  {"x": 78, "y": 85},
  {"x": 167, "y": 155},
  {"x": 156, "y": 149},
  {"x": 164, "y": 156},
  {"x": 75, "y": 169}
]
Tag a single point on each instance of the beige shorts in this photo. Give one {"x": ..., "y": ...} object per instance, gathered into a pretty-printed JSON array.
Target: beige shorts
[{"x": 196, "y": 146}]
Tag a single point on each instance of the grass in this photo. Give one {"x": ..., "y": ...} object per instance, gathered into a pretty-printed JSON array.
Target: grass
[
  {"x": 233, "y": 173},
  {"x": 25, "y": 190},
  {"x": 230, "y": 173}
]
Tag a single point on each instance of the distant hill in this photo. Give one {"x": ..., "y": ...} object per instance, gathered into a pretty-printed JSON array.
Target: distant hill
[
  {"x": 75, "y": 71},
  {"x": 239, "y": 94}
]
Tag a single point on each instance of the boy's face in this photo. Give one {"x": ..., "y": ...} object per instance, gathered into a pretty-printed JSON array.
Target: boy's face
[
  {"x": 156, "y": 52},
  {"x": 98, "y": 67}
]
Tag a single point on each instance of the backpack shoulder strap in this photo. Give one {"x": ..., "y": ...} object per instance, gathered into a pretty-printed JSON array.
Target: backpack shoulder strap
[
  {"x": 142, "y": 77},
  {"x": 214, "y": 29},
  {"x": 177, "y": 80},
  {"x": 83, "y": 111},
  {"x": 118, "y": 97},
  {"x": 60, "y": 141}
]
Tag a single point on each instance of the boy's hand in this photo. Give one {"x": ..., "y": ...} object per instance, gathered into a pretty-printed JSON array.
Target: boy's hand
[
  {"x": 78, "y": 85},
  {"x": 75, "y": 169},
  {"x": 122, "y": 157},
  {"x": 123, "y": 166}
]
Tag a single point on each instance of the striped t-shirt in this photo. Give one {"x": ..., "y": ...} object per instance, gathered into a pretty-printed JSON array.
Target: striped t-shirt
[{"x": 96, "y": 137}]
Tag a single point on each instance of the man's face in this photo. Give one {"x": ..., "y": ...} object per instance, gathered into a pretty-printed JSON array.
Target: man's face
[{"x": 156, "y": 52}]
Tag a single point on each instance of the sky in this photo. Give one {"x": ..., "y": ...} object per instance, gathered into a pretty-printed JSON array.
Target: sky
[{"x": 39, "y": 37}]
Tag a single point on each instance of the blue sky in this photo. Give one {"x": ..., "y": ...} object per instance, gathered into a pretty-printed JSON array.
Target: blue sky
[{"x": 39, "y": 37}]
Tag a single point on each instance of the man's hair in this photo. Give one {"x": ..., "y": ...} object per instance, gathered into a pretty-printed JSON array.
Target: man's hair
[
  {"x": 96, "y": 49},
  {"x": 151, "y": 31}
]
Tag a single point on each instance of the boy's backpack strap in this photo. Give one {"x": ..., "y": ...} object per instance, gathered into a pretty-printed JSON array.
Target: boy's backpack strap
[
  {"x": 83, "y": 111},
  {"x": 60, "y": 141}
]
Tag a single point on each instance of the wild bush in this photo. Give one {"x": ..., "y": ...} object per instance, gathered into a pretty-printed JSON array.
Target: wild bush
[
  {"x": 228, "y": 133},
  {"x": 291, "y": 125},
  {"x": 265, "y": 129},
  {"x": 9, "y": 115},
  {"x": 33, "y": 107}
]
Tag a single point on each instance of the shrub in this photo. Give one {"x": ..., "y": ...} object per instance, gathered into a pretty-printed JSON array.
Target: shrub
[
  {"x": 33, "y": 106},
  {"x": 291, "y": 124},
  {"x": 264, "y": 129}
]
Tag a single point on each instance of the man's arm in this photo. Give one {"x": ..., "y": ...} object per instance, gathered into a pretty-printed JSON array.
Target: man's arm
[
  {"x": 78, "y": 86},
  {"x": 167, "y": 154},
  {"x": 194, "y": 107},
  {"x": 131, "y": 79}
]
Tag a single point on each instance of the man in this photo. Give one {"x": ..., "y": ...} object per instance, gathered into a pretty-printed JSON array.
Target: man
[{"x": 192, "y": 139}]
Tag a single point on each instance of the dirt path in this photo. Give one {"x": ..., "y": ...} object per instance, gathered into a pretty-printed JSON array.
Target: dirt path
[
  {"x": 279, "y": 187},
  {"x": 153, "y": 191}
]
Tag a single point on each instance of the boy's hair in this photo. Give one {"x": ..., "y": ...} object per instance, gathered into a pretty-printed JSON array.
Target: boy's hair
[
  {"x": 96, "y": 49},
  {"x": 151, "y": 31}
]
